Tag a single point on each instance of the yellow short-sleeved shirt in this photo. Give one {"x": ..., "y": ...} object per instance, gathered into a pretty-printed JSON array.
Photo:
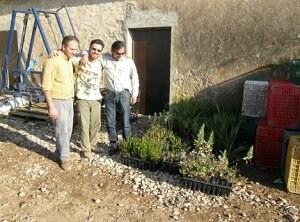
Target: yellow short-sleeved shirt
[{"x": 58, "y": 77}]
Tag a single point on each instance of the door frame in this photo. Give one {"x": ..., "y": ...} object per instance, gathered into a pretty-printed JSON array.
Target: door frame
[
  {"x": 152, "y": 19},
  {"x": 160, "y": 41}
]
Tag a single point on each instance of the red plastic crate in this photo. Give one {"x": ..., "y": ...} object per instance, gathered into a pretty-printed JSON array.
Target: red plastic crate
[
  {"x": 283, "y": 106},
  {"x": 268, "y": 145}
]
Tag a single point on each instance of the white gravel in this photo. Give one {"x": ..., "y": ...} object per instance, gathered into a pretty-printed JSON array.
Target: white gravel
[{"x": 164, "y": 187}]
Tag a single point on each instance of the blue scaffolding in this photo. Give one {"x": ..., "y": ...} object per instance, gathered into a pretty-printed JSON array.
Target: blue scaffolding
[{"x": 19, "y": 73}]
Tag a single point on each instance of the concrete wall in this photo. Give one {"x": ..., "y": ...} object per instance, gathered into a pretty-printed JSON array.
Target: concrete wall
[{"x": 215, "y": 45}]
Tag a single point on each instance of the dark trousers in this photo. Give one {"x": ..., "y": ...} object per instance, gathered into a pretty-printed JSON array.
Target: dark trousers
[{"x": 112, "y": 99}]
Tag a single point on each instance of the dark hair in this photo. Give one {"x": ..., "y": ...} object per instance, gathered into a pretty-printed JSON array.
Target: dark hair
[
  {"x": 98, "y": 42},
  {"x": 117, "y": 45},
  {"x": 69, "y": 38}
]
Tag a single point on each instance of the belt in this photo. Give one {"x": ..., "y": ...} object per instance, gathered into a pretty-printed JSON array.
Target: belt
[
  {"x": 72, "y": 98},
  {"x": 111, "y": 92},
  {"x": 120, "y": 90}
]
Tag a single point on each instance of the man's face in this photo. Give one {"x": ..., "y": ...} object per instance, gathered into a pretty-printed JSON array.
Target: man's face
[
  {"x": 118, "y": 54},
  {"x": 70, "y": 49},
  {"x": 95, "y": 51}
]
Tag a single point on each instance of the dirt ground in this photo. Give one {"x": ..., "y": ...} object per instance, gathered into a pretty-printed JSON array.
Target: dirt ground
[{"x": 34, "y": 188}]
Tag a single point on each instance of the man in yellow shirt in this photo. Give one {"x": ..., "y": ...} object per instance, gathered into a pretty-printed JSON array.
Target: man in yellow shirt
[{"x": 58, "y": 87}]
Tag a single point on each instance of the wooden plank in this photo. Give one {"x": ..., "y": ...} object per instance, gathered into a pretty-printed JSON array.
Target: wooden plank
[
  {"x": 38, "y": 111},
  {"x": 39, "y": 108},
  {"x": 30, "y": 115}
]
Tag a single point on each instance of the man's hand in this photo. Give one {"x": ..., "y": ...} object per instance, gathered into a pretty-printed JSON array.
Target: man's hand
[
  {"x": 84, "y": 59},
  {"x": 133, "y": 100},
  {"x": 53, "y": 113},
  {"x": 53, "y": 53},
  {"x": 51, "y": 107}
]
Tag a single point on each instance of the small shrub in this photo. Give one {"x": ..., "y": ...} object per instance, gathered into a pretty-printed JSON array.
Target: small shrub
[
  {"x": 128, "y": 147},
  {"x": 144, "y": 148},
  {"x": 174, "y": 148},
  {"x": 194, "y": 167},
  {"x": 202, "y": 164}
]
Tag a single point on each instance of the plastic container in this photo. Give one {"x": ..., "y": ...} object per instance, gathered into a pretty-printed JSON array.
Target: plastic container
[
  {"x": 268, "y": 143},
  {"x": 216, "y": 187},
  {"x": 292, "y": 165},
  {"x": 286, "y": 136},
  {"x": 139, "y": 163},
  {"x": 169, "y": 167},
  {"x": 295, "y": 71},
  {"x": 247, "y": 130},
  {"x": 255, "y": 98},
  {"x": 283, "y": 106}
]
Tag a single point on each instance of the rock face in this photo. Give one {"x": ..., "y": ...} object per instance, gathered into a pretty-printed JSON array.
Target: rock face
[{"x": 215, "y": 45}]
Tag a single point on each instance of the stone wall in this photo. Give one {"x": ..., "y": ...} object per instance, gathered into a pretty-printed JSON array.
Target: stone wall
[{"x": 215, "y": 45}]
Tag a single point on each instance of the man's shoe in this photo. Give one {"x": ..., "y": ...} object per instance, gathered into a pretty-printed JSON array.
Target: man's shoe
[
  {"x": 88, "y": 155},
  {"x": 96, "y": 150},
  {"x": 55, "y": 159},
  {"x": 113, "y": 149},
  {"x": 65, "y": 165}
]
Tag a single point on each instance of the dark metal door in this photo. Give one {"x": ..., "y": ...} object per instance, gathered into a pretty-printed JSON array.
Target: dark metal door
[{"x": 151, "y": 54}]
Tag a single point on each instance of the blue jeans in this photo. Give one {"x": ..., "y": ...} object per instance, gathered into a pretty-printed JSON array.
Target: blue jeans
[{"x": 112, "y": 99}]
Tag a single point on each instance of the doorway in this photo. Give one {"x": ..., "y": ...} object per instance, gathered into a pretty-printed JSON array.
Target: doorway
[{"x": 151, "y": 54}]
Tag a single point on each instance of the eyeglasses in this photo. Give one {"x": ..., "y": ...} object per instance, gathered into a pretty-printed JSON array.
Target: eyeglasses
[
  {"x": 98, "y": 50},
  {"x": 119, "y": 54}
]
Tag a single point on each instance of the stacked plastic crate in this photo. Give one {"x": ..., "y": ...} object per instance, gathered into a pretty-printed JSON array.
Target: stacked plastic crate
[
  {"x": 295, "y": 72},
  {"x": 283, "y": 113},
  {"x": 292, "y": 165},
  {"x": 253, "y": 108},
  {"x": 290, "y": 155},
  {"x": 286, "y": 137}
]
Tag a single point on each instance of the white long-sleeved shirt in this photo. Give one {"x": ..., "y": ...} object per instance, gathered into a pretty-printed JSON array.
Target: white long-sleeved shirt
[{"x": 119, "y": 75}]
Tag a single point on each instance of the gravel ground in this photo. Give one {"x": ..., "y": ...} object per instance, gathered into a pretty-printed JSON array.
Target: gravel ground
[{"x": 34, "y": 188}]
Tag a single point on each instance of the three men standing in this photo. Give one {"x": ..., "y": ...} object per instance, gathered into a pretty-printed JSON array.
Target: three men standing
[{"x": 120, "y": 79}]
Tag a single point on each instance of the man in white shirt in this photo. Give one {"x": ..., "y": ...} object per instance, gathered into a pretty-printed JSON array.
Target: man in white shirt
[
  {"x": 122, "y": 83},
  {"x": 87, "y": 90}
]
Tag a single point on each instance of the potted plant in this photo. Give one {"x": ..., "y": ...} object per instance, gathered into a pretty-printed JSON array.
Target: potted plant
[
  {"x": 205, "y": 172},
  {"x": 158, "y": 144},
  {"x": 143, "y": 153},
  {"x": 174, "y": 149}
]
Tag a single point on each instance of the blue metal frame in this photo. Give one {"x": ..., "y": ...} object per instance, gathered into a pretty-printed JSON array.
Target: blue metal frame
[
  {"x": 31, "y": 44},
  {"x": 19, "y": 73}
]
